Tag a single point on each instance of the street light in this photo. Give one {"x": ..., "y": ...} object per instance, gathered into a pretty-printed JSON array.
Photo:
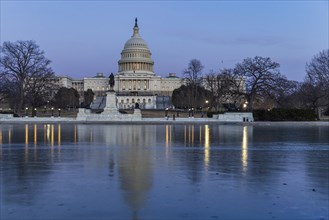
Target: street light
[
  {"x": 59, "y": 112},
  {"x": 35, "y": 112},
  {"x": 26, "y": 109},
  {"x": 245, "y": 105},
  {"x": 166, "y": 112},
  {"x": 192, "y": 112},
  {"x": 52, "y": 112},
  {"x": 205, "y": 106}
]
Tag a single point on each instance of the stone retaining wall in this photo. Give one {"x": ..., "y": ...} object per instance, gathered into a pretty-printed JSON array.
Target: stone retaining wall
[{"x": 235, "y": 117}]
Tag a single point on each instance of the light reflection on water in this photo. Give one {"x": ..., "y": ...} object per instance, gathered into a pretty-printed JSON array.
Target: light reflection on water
[
  {"x": 206, "y": 144},
  {"x": 153, "y": 168},
  {"x": 244, "y": 151}
]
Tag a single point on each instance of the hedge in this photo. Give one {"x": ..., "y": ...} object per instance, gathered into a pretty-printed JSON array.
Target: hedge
[{"x": 284, "y": 115}]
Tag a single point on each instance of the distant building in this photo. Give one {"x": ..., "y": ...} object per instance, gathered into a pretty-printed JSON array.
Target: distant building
[{"x": 135, "y": 81}]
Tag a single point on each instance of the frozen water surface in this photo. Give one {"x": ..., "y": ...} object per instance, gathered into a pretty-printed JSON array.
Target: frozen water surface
[{"x": 77, "y": 171}]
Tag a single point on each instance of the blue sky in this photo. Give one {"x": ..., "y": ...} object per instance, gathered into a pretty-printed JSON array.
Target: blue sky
[{"x": 85, "y": 37}]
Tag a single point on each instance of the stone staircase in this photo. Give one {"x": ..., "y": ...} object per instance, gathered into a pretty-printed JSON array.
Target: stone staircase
[{"x": 98, "y": 103}]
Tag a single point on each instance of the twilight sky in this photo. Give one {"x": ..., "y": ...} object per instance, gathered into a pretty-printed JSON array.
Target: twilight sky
[{"x": 85, "y": 37}]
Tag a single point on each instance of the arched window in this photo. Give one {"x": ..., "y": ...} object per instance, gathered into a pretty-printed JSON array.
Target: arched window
[
  {"x": 133, "y": 100},
  {"x": 127, "y": 100},
  {"x": 149, "y": 100}
]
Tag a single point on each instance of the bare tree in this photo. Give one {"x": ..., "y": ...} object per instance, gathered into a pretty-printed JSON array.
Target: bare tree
[
  {"x": 221, "y": 86},
  {"x": 40, "y": 88},
  {"x": 24, "y": 65},
  {"x": 193, "y": 73},
  {"x": 318, "y": 69},
  {"x": 3, "y": 88},
  {"x": 259, "y": 77},
  {"x": 193, "y": 77},
  {"x": 285, "y": 94},
  {"x": 316, "y": 84},
  {"x": 211, "y": 85}
]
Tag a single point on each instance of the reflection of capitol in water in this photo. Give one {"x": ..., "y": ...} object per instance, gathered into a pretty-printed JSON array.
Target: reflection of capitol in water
[
  {"x": 132, "y": 141},
  {"x": 135, "y": 140},
  {"x": 131, "y": 148},
  {"x": 117, "y": 134}
]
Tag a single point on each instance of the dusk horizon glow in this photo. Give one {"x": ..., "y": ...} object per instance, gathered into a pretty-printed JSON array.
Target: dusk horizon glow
[{"x": 83, "y": 38}]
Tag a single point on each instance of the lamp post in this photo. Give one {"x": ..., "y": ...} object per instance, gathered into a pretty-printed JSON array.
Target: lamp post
[
  {"x": 189, "y": 113},
  {"x": 192, "y": 112},
  {"x": 26, "y": 110},
  {"x": 166, "y": 112},
  {"x": 35, "y": 112},
  {"x": 52, "y": 112},
  {"x": 206, "y": 105},
  {"x": 59, "y": 112}
]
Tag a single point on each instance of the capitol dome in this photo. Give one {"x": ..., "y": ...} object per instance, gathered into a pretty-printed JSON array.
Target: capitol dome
[
  {"x": 136, "y": 56},
  {"x": 134, "y": 42}
]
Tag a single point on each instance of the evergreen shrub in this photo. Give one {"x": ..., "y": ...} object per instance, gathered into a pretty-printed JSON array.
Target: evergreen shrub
[{"x": 278, "y": 114}]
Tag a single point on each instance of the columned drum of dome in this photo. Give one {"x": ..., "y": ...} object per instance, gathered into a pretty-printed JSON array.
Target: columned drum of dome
[{"x": 136, "y": 56}]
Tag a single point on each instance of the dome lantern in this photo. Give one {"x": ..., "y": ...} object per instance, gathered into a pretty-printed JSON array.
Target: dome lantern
[{"x": 136, "y": 29}]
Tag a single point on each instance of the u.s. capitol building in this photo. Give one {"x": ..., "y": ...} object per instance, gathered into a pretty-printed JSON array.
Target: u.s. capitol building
[{"x": 135, "y": 81}]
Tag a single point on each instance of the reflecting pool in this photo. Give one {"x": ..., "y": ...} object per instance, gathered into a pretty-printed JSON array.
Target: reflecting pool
[{"x": 194, "y": 171}]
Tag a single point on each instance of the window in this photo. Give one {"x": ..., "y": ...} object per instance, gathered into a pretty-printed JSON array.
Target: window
[{"x": 123, "y": 85}]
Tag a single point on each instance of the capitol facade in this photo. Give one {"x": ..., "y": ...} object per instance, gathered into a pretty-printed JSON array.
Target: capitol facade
[{"x": 135, "y": 81}]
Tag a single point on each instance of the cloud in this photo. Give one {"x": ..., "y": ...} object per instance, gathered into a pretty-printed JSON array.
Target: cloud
[{"x": 246, "y": 41}]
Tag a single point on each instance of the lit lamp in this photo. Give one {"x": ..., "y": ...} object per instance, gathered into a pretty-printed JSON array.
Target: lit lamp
[
  {"x": 245, "y": 105},
  {"x": 35, "y": 112},
  {"x": 166, "y": 112},
  {"x": 192, "y": 112},
  {"x": 59, "y": 112},
  {"x": 52, "y": 112},
  {"x": 189, "y": 112},
  {"x": 26, "y": 109},
  {"x": 206, "y": 106}
]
